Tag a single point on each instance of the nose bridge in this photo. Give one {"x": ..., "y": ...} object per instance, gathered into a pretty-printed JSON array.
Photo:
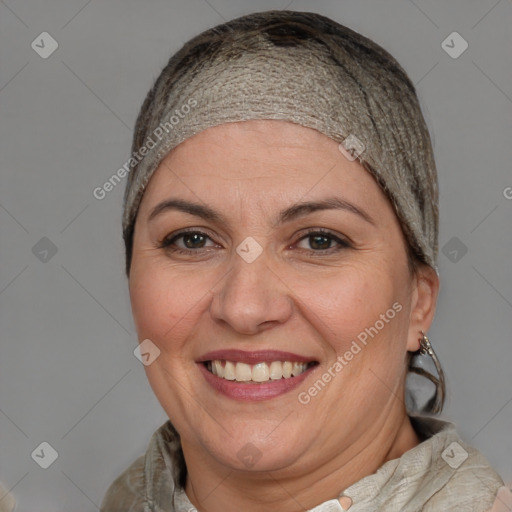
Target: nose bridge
[{"x": 250, "y": 295}]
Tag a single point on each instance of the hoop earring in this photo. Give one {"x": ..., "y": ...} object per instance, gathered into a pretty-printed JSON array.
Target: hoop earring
[{"x": 435, "y": 404}]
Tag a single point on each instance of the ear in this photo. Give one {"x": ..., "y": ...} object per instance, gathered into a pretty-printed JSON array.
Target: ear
[{"x": 425, "y": 290}]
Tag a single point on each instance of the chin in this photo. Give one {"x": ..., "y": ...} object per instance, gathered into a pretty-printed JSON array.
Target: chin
[{"x": 253, "y": 449}]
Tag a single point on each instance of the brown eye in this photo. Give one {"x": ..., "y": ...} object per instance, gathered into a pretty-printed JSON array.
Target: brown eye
[
  {"x": 318, "y": 241},
  {"x": 194, "y": 240},
  {"x": 187, "y": 241}
]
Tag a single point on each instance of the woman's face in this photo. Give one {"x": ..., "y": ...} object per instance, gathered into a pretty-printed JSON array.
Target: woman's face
[{"x": 260, "y": 242}]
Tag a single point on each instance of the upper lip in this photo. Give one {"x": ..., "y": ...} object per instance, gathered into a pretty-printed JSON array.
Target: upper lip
[{"x": 253, "y": 357}]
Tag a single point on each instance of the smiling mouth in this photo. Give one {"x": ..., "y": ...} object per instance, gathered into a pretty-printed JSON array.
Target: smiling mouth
[{"x": 256, "y": 373}]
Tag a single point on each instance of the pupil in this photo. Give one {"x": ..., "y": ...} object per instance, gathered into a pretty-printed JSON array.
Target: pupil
[
  {"x": 193, "y": 240},
  {"x": 320, "y": 242}
]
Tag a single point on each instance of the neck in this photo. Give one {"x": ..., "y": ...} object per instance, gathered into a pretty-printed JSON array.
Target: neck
[{"x": 216, "y": 488}]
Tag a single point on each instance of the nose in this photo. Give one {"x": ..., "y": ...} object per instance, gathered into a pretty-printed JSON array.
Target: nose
[{"x": 252, "y": 297}]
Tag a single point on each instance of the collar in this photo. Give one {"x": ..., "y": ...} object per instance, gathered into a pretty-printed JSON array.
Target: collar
[
  {"x": 441, "y": 473},
  {"x": 419, "y": 473}
]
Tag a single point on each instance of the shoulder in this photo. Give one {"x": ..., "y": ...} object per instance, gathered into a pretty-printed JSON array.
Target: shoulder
[
  {"x": 466, "y": 481},
  {"x": 472, "y": 487},
  {"x": 126, "y": 492},
  {"x": 150, "y": 478}
]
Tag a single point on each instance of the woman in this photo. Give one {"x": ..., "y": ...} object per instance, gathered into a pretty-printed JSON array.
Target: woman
[{"x": 281, "y": 224}]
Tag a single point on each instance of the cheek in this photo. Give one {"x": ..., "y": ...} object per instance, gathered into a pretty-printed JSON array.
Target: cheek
[
  {"x": 165, "y": 302},
  {"x": 367, "y": 325},
  {"x": 345, "y": 305}
]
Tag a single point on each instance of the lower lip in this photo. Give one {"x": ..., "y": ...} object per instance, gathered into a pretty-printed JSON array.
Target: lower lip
[{"x": 252, "y": 392}]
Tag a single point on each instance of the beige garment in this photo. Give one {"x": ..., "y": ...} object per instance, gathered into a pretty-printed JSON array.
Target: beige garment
[
  {"x": 440, "y": 474},
  {"x": 7, "y": 501}
]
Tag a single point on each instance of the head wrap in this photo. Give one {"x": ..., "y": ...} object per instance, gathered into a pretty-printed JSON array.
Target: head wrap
[{"x": 304, "y": 68}]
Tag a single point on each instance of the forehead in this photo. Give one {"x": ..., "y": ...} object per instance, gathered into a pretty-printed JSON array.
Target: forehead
[{"x": 262, "y": 159}]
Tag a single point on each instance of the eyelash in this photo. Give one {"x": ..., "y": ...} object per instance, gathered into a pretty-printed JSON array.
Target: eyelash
[{"x": 166, "y": 243}]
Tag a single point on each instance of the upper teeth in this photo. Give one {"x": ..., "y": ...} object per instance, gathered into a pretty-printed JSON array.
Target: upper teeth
[{"x": 260, "y": 372}]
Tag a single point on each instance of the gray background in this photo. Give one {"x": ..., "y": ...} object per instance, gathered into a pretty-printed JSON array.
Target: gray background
[{"x": 68, "y": 375}]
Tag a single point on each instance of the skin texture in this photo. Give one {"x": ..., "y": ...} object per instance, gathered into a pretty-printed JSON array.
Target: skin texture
[{"x": 294, "y": 297}]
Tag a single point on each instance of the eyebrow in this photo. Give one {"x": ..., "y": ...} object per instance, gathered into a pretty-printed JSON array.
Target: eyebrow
[
  {"x": 287, "y": 215},
  {"x": 331, "y": 203}
]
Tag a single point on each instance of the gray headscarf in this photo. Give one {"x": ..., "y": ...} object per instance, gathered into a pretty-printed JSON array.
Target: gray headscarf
[{"x": 304, "y": 68}]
